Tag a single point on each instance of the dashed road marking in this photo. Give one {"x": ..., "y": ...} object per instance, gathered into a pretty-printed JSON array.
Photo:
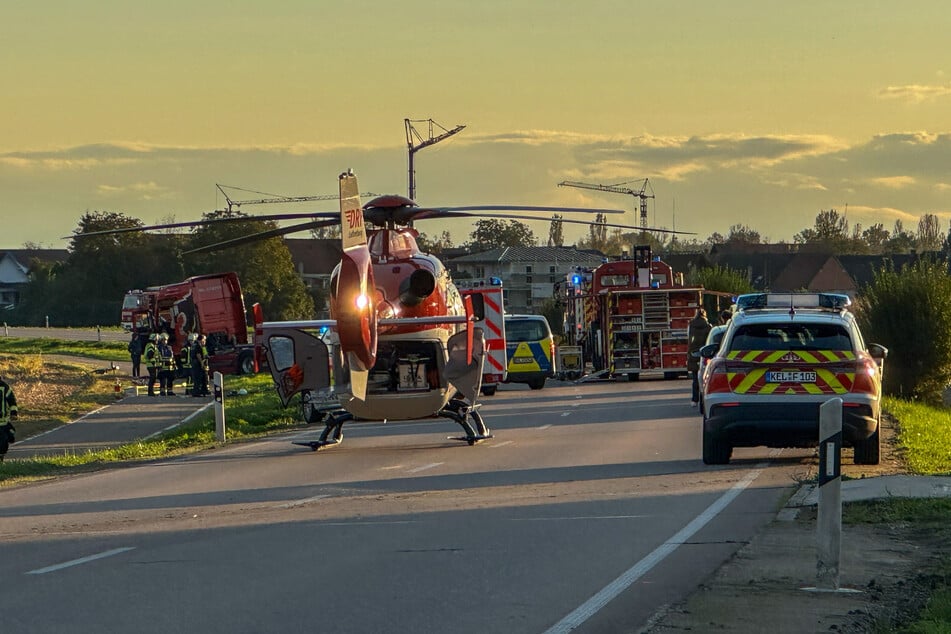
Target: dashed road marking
[
  {"x": 611, "y": 591},
  {"x": 81, "y": 560},
  {"x": 425, "y": 467}
]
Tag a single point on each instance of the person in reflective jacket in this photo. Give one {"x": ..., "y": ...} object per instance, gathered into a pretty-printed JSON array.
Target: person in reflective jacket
[{"x": 8, "y": 414}]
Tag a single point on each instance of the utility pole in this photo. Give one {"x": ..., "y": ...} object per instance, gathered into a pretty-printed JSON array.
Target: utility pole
[{"x": 415, "y": 143}]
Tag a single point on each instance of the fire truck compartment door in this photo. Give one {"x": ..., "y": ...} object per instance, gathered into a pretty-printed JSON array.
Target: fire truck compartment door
[{"x": 298, "y": 361}]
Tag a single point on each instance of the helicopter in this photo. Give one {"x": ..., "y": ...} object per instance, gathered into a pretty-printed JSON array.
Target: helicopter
[{"x": 400, "y": 343}]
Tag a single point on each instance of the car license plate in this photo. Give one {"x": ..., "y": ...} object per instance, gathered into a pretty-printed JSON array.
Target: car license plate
[
  {"x": 524, "y": 359},
  {"x": 791, "y": 376}
]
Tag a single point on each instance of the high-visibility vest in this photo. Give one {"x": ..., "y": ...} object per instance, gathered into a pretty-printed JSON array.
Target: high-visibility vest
[
  {"x": 152, "y": 360},
  {"x": 186, "y": 357},
  {"x": 8, "y": 402}
]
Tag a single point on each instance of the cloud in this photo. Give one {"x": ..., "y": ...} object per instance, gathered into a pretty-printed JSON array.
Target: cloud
[
  {"x": 895, "y": 182},
  {"x": 915, "y": 93},
  {"x": 144, "y": 190}
]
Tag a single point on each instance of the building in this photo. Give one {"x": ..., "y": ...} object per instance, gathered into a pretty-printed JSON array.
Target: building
[
  {"x": 528, "y": 274},
  {"x": 314, "y": 260},
  {"x": 15, "y": 271}
]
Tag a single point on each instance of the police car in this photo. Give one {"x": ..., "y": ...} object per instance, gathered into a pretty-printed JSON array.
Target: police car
[{"x": 782, "y": 356}]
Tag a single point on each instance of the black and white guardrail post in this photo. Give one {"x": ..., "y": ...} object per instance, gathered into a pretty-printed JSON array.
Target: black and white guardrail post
[
  {"x": 217, "y": 387},
  {"x": 829, "y": 523}
]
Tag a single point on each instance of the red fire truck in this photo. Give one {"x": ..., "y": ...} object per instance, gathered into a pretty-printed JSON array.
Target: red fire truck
[
  {"x": 212, "y": 305},
  {"x": 630, "y": 317},
  {"x": 489, "y": 293}
]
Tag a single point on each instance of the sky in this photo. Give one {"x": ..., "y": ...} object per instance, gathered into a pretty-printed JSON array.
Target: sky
[{"x": 755, "y": 113}]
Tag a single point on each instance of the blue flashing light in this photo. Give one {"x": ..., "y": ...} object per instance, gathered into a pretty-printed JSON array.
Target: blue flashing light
[
  {"x": 495, "y": 281},
  {"x": 576, "y": 279}
]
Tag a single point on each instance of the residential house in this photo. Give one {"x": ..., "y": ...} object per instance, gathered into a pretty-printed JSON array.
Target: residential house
[
  {"x": 529, "y": 274},
  {"x": 314, "y": 260},
  {"x": 15, "y": 270}
]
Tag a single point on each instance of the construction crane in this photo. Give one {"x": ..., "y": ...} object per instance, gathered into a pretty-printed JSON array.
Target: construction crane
[
  {"x": 273, "y": 198},
  {"x": 618, "y": 189},
  {"x": 415, "y": 143}
]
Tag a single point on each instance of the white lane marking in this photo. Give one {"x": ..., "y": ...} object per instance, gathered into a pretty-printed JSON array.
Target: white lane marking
[
  {"x": 607, "y": 594},
  {"x": 563, "y": 414},
  {"x": 544, "y": 427},
  {"x": 81, "y": 560},
  {"x": 578, "y": 517},
  {"x": 501, "y": 444},
  {"x": 426, "y": 466},
  {"x": 396, "y": 466},
  {"x": 289, "y": 505}
]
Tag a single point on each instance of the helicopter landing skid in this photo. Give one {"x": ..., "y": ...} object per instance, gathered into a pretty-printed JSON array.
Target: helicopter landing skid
[
  {"x": 332, "y": 434},
  {"x": 459, "y": 411}
]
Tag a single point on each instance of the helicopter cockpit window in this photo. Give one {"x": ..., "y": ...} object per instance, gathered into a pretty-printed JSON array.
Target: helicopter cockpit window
[{"x": 282, "y": 349}]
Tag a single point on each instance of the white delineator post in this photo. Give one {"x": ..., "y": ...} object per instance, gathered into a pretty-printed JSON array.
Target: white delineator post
[
  {"x": 829, "y": 523},
  {"x": 217, "y": 385}
]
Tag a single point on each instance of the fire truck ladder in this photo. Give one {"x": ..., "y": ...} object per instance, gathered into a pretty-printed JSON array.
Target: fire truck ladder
[{"x": 617, "y": 189}]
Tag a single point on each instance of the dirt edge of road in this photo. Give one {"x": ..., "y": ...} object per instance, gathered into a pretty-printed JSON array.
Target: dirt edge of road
[{"x": 887, "y": 572}]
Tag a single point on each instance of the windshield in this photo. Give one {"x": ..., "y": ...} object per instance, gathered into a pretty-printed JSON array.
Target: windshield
[{"x": 526, "y": 330}]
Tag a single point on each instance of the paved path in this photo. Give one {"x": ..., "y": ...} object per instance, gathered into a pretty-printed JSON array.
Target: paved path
[{"x": 127, "y": 420}]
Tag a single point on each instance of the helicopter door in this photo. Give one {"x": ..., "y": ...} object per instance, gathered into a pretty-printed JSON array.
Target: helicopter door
[
  {"x": 466, "y": 377},
  {"x": 298, "y": 361}
]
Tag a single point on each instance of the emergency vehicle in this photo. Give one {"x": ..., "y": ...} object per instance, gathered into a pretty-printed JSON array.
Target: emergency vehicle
[
  {"x": 212, "y": 305},
  {"x": 488, "y": 293},
  {"x": 631, "y": 316}
]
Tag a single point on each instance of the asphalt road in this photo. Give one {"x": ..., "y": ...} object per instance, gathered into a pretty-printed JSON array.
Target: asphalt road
[{"x": 588, "y": 512}]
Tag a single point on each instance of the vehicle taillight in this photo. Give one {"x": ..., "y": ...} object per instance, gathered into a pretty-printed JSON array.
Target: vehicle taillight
[
  {"x": 866, "y": 377},
  {"x": 717, "y": 380}
]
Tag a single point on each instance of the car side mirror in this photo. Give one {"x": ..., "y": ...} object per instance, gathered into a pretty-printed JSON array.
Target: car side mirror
[
  {"x": 878, "y": 351},
  {"x": 709, "y": 351}
]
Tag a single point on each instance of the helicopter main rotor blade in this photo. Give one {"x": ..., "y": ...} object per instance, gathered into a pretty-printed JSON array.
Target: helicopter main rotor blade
[
  {"x": 202, "y": 223},
  {"x": 263, "y": 235},
  {"x": 453, "y": 214}
]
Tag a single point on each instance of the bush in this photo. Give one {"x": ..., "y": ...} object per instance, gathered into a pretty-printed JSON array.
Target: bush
[{"x": 909, "y": 312}]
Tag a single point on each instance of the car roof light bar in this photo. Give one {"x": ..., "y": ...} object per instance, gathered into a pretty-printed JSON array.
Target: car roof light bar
[{"x": 827, "y": 301}]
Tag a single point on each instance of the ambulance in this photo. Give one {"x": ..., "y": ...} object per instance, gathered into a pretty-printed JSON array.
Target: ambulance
[{"x": 487, "y": 298}]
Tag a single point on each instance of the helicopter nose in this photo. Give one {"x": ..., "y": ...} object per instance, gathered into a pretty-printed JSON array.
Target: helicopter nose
[{"x": 417, "y": 287}]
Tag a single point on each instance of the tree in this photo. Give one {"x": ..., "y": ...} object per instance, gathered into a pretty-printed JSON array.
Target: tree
[
  {"x": 494, "y": 233},
  {"x": 929, "y": 234},
  {"x": 829, "y": 234},
  {"x": 722, "y": 280},
  {"x": 265, "y": 267},
  {"x": 556, "y": 234},
  {"x": 876, "y": 237},
  {"x": 434, "y": 245},
  {"x": 900, "y": 241},
  {"x": 909, "y": 312},
  {"x": 741, "y": 234}
]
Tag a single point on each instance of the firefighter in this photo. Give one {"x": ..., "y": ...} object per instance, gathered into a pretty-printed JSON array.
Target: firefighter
[
  {"x": 8, "y": 414},
  {"x": 185, "y": 363},
  {"x": 153, "y": 361},
  {"x": 697, "y": 331},
  {"x": 199, "y": 356},
  {"x": 166, "y": 368}
]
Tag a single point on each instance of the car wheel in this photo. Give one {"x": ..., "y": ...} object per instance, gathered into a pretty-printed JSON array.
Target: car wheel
[
  {"x": 868, "y": 451},
  {"x": 536, "y": 384},
  {"x": 488, "y": 390},
  {"x": 715, "y": 451},
  {"x": 246, "y": 363}
]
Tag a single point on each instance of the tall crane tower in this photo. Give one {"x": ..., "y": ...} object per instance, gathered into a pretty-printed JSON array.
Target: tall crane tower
[
  {"x": 415, "y": 142},
  {"x": 618, "y": 189}
]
